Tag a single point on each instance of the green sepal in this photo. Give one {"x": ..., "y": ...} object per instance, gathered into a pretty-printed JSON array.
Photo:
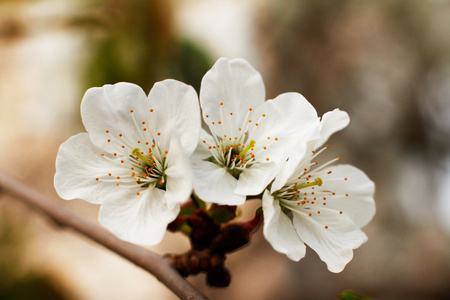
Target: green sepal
[
  {"x": 222, "y": 213},
  {"x": 259, "y": 211},
  {"x": 198, "y": 203},
  {"x": 187, "y": 211},
  {"x": 185, "y": 229},
  {"x": 188, "y": 208}
]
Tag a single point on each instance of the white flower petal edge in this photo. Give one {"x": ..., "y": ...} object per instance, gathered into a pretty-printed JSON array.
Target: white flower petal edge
[
  {"x": 179, "y": 102},
  {"x": 329, "y": 204},
  {"x": 108, "y": 108},
  {"x": 134, "y": 160},
  {"x": 331, "y": 235},
  {"x": 278, "y": 230},
  {"x": 250, "y": 139},
  {"x": 77, "y": 165},
  {"x": 179, "y": 175},
  {"x": 237, "y": 85},
  {"x": 357, "y": 202},
  {"x": 124, "y": 111},
  {"x": 139, "y": 219},
  {"x": 330, "y": 123},
  {"x": 215, "y": 184},
  {"x": 289, "y": 118}
]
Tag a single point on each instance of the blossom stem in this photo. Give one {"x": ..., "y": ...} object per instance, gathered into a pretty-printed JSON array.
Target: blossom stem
[{"x": 154, "y": 264}]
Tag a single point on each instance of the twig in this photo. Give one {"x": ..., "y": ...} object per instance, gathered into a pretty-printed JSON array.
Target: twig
[{"x": 149, "y": 261}]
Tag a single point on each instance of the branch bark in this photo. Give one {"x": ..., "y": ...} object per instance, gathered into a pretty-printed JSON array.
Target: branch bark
[{"x": 149, "y": 261}]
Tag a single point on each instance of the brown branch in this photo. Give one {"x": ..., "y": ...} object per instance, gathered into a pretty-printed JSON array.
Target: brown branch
[{"x": 149, "y": 261}]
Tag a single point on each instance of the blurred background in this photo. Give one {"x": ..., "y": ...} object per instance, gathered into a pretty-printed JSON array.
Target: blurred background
[{"x": 387, "y": 63}]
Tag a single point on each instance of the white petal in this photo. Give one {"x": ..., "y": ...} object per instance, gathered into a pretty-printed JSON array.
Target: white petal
[
  {"x": 253, "y": 180},
  {"x": 78, "y": 164},
  {"x": 215, "y": 184},
  {"x": 279, "y": 231},
  {"x": 176, "y": 108},
  {"x": 359, "y": 205},
  {"x": 179, "y": 175},
  {"x": 108, "y": 108},
  {"x": 332, "y": 122},
  {"x": 237, "y": 85},
  {"x": 289, "y": 167},
  {"x": 202, "y": 151},
  {"x": 137, "y": 219},
  {"x": 289, "y": 118},
  {"x": 334, "y": 244}
]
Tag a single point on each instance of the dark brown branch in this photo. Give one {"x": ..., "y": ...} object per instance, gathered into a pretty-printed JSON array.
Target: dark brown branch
[
  {"x": 149, "y": 261},
  {"x": 212, "y": 237}
]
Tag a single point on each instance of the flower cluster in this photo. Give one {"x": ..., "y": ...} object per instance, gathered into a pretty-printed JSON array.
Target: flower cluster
[{"x": 143, "y": 156}]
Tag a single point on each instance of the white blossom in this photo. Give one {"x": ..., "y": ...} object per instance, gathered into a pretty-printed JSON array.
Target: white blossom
[
  {"x": 134, "y": 158},
  {"x": 322, "y": 206},
  {"x": 249, "y": 138}
]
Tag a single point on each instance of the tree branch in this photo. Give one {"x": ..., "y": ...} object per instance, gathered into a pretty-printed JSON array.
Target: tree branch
[{"x": 149, "y": 261}]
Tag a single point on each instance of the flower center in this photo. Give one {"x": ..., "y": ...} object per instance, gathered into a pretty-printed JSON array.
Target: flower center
[
  {"x": 300, "y": 193},
  {"x": 235, "y": 158},
  {"x": 233, "y": 147},
  {"x": 135, "y": 168},
  {"x": 153, "y": 170}
]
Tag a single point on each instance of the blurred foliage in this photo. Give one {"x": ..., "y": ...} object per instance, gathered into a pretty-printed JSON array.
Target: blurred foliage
[
  {"x": 33, "y": 286},
  {"x": 350, "y": 295},
  {"x": 387, "y": 64},
  {"x": 133, "y": 41},
  {"x": 368, "y": 58},
  {"x": 16, "y": 283},
  {"x": 16, "y": 1}
]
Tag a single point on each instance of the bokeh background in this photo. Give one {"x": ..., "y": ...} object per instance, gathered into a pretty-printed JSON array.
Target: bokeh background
[{"x": 387, "y": 63}]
